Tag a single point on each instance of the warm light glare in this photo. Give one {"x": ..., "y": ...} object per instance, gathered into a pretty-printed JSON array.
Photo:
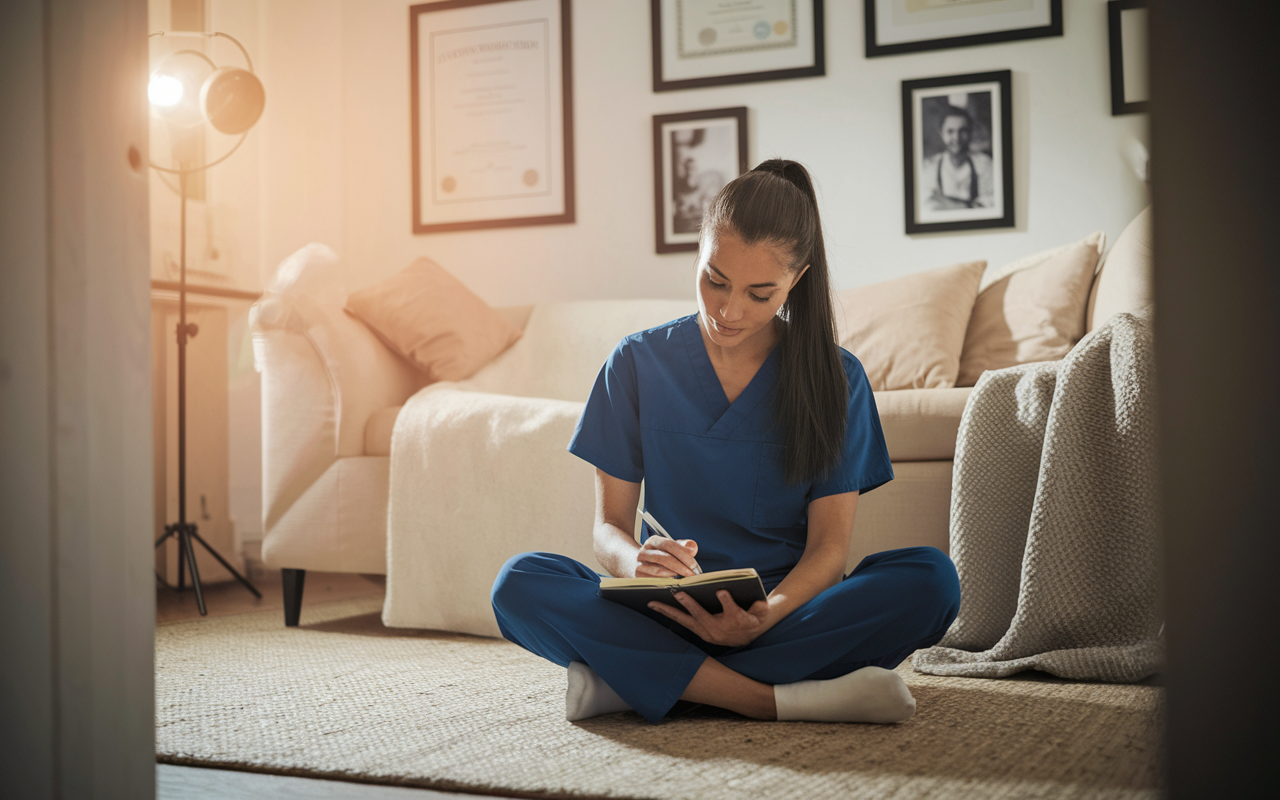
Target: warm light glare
[{"x": 164, "y": 90}]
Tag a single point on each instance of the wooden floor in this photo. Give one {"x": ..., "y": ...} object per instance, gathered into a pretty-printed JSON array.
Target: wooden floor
[
  {"x": 221, "y": 599},
  {"x": 196, "y": 783},
  {"x": 231, "y": 597}
]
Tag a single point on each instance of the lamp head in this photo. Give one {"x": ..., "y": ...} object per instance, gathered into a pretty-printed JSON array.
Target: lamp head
[{"x": 232, "y": 99}]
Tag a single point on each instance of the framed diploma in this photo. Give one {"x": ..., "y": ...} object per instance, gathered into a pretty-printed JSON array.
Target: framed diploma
[
  {"x": 716, "y": 42},
  {"x": 492, "y": 114},
  {"x": 909, "y": 26},
  {"x": 694, "y": 155}
]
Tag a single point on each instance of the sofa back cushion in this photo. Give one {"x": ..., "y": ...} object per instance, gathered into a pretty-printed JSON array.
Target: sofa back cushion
[
  {"x": 565, "y": 344},
  {"x": 908, "y": 332},
  {"x": 1032, "y": 310},
  {"x": 1124, "y": 283}
]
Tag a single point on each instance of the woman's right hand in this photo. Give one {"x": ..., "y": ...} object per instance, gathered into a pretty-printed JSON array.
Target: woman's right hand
[{"x": 660, "y": 557}]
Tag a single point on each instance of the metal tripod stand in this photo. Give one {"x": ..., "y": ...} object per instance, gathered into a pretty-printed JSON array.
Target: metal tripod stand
[{"x": 183, "y": 530}]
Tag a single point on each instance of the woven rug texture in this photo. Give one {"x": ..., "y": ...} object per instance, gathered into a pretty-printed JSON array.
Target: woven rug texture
[{"x": 343, "y": 697}]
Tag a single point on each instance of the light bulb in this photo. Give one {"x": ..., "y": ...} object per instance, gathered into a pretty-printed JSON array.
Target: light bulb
[{"x": 164, "y": 90}]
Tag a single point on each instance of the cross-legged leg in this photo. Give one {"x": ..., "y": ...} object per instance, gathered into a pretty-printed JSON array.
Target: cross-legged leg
[
  {"x": 892, "y": 604},
  {"x": 548, "y": 604},
  {"x": 830, "y": 658}
]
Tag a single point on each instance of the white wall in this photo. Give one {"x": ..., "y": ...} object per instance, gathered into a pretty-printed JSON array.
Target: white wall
[{"x": 336, "y": 151}]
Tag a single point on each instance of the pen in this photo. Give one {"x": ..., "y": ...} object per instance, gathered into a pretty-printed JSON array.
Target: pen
[{"x": 661, "y": 531}]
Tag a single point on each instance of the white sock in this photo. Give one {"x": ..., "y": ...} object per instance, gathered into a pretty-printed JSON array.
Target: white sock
[
  {"x": 588, "y": 695},
  {"x": 870, "y": 694}
]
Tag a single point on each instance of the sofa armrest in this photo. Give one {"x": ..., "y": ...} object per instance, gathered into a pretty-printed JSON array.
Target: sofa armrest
[{"x": 299, "y": 419}]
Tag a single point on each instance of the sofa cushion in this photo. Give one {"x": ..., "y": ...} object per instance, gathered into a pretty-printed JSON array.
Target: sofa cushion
[
  {"x": 908, "y": 332},
  {"x": 541, "y": 365},
  {"x": 1124, "y": 282},
  {"x": 433, "y": 320},
  {"x": 1033, "y": 310},
  {"x": 377, "y": 431},
  {"x": 919, "y": 424}
]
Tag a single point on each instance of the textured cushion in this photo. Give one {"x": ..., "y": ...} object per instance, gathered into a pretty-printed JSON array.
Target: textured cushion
[
  {"x": 908, "y": 332},
  {"x": 433, "y": 320},
  {"x": 1124, "y": 282},
  {"x": 1033, "y": 311}
]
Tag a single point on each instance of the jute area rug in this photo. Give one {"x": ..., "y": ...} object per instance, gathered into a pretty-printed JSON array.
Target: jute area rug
[{"x": 342, "y": 697}]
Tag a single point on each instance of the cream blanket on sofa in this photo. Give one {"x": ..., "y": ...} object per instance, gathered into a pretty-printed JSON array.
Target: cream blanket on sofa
[
  {"x": 479, "y": 470},
  {"x": 1054, "y": 518}
]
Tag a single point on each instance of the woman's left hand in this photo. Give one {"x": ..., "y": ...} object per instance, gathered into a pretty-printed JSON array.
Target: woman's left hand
[{"x": 733, "y": 627}]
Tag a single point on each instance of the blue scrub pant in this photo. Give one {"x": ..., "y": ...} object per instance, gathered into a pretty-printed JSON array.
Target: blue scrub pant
[{"x": 894, "y": 603}]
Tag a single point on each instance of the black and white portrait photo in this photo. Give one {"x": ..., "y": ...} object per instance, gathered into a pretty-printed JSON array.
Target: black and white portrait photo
[
  {"x": 957, "y": 151},
  {"x": 695, "y": 154}
]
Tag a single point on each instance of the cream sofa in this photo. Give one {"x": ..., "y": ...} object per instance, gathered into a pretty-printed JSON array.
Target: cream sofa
[{"x": 332, "y": 391}]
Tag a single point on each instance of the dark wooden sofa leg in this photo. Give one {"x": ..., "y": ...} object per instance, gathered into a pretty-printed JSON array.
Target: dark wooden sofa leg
[{"x": 292, "y": 582}]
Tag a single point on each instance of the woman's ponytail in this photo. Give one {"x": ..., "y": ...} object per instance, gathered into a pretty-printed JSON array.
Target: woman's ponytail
[{"x": 775, "y": 203}]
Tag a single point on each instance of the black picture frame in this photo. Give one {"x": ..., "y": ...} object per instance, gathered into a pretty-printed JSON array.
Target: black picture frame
[
  {"x": 662, "y": 84},
  {"x": 1115, "y": 36},
  {"x": 875, "y": 50},
  {"x": 568, "y": 214},
  {"x": 664, "y": 178},
  {"x": 1005, "y": 219}
]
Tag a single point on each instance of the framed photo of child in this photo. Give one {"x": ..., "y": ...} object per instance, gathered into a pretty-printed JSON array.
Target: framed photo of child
[
  {"x": 694, "y": 155},
  {"x": 957, "y": 150}
]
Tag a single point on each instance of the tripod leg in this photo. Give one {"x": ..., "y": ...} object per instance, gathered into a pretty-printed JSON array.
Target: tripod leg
[
  {"x": 224, "y": 563},
  {"x": 292, "y": 580},
  {"x": 185, "y": 536},
  {"x": 182, "y": 559}
]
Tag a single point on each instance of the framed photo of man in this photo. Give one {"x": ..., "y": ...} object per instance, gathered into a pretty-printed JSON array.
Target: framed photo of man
[
  {"x": 957, "y": 148},
  {"x": 694, "y": 155},
  {"x": 699, "y": 43},
  {"x": 491, "y": 97}
]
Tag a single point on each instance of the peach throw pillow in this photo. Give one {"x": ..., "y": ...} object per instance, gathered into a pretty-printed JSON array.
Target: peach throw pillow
[
  {"x": 433, "y": 320},
  {"x": 1035, "y": 311},
  {"x": 908, "y": 332}
]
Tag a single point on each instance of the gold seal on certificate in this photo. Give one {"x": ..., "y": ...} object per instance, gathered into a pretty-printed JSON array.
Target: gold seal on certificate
[{"x": 718, "y": 27}]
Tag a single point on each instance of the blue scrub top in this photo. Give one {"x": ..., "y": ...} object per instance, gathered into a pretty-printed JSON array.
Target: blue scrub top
[{"x": 714, "y": 471}]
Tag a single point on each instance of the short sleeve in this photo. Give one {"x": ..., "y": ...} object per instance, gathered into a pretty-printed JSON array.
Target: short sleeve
[
  {"x": 864, "y": 464},
  {"x": 608, "y": 433}
]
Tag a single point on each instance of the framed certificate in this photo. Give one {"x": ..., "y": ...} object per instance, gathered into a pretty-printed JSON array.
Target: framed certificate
[
  {"x": 958, "y": 152},
  {"x": 716, "y": 42},
  {"x": 694, "y": 155},
  {"x": 909, "y": 26},
  {"x": 492, "y": 114}
]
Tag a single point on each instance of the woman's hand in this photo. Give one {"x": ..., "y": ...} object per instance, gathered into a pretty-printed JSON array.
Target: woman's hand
[
  {"x": 732, "y": 627},
  {"x": 660, "y": 557}
]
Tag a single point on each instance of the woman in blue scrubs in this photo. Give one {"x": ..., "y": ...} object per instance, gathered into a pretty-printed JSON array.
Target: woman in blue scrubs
[{"x": 755, "y": 434}]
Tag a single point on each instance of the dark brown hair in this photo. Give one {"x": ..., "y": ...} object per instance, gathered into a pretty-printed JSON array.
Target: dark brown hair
[{"x": 775, "y": 204}]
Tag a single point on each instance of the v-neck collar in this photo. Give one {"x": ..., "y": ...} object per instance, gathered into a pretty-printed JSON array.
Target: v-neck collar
[{"x": 728, "y": 416}]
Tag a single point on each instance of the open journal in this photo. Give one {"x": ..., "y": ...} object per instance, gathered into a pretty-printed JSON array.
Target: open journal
[{"x": 744, "y": 584}]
